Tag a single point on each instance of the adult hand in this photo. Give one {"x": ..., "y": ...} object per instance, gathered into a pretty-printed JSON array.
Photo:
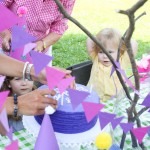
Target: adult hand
[
  {"x": 6, "y": 40},
  {"x": 34, "y": 103},
  {"x": 39, "y": 46}
]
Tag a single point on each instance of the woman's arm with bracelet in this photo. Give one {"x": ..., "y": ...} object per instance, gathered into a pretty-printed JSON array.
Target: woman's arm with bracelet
[{"x": 33, "y": 103}]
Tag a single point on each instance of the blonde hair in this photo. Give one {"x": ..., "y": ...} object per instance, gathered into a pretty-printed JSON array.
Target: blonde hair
[{"x": 109, "y": 34}]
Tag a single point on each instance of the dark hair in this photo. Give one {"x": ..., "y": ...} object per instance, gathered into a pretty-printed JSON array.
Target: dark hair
[{"x": 6, "y": 84}]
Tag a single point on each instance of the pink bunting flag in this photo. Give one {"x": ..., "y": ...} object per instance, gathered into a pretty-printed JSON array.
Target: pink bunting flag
[
  {"x": 77, "y": 97},
  {"x": 3, "y": 96},
  {"x": 7, "y": 18},
  {"x": 53, "y": 76},
  {"x": 126, "y": 126},
  {"x": 40, "y": 61},
  {"x": 146, "y": 101},
  {"x": 105, "y": 118},
  {"x": 46, "y": 139},
  {"x": 2, "y": 78},
  {"x": 139, "y": 133},
  {"x": 115, "y": 122},
  {"x": 64, "y": 83},
  {"x": 13, "y": 146},
  {"x": 10, "y": 134},
  {"x": 20, "y": 37},
  {"x": 28, "y": 47},
  {"x": 18, "y": 54},
  {"x": 4, "y": 127},
  {"x": 91, "y": 109}
]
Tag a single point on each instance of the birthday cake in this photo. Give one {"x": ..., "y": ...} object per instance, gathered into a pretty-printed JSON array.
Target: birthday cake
[{"x": 67, "y": 120}]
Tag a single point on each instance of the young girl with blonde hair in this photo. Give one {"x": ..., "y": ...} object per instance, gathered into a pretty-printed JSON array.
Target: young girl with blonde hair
[{"x": 100, "y": 79}]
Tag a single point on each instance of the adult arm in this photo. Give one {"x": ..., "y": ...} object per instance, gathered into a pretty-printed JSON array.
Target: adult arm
[
  {"x": 32, "y": 103},
  {"x": 57, "y": 28}
]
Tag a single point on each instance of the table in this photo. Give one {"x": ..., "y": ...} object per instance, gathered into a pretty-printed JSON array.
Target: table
[{"x": 118, "y": 106}]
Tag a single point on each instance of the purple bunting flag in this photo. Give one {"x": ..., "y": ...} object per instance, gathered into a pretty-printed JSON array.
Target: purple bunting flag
[
  {"x": 77, "y": 97},
  {"x": 115, "y": 122},
  {"x": 126, "y": 126},
  {"x": 105, "y": 118},
  {"x": 91, "y": 109},
  {"x": 20, "y": 37},
  {"x": 40, "y": 61},
  {"x": 3, "y": 96},
  {"x": 64, "y": 83},
  {"x": 146, "y": 101}
]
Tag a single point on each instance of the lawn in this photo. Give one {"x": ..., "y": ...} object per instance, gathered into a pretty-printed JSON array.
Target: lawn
[{"x": 96, "y": 15}]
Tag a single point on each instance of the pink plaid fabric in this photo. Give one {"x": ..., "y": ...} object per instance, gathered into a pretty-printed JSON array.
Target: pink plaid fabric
[{"x": 42, "y": 16}]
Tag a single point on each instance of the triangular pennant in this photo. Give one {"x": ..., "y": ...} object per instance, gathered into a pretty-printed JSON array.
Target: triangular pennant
[
  {"x": 40, "y": 61},
  {"x": 105, "y": 118},
  {"x": 146, "y": 101},
  {"x": 2, "y": 78},
  {"x": 115, "y": 122},
  {"x": 126, "y": 126},
  {"x": 46, "y": 139},
  {"x": 12, "y": 146},
  {"x": 3, "y": 96},
  {"x": 139, "y": 133},
  {"x": 64, "y": 83},
  {"x": 114, "y": 147},
  {"x": 53, "y": 76},
  {"x": 77, "y": 97},
  {"x": 91, "y": 109},
  {"x": 4, "y": 127},
  {"x": 113, "y": 69},
  {"x": 18, "y": 54},
  {"x": 7, "y": 18},
  {"x": 20, "y": 37},
  {"x": 28, "y": 47},
  {"x": 10, "y": 134},
  {"x": 148, "y": 132}
]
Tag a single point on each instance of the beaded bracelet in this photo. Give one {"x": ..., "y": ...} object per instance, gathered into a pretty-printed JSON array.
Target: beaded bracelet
[{"x": 15, "y": 105}]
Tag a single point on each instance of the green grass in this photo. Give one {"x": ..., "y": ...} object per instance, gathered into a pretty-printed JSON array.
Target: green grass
[{"x": 96, "y": 15}]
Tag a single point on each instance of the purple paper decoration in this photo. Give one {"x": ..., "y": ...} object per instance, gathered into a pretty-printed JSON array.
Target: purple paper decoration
[
  {"x": 10, "y": 134},
  {"x": 20, "y": 37},
  {"x": 28, "y": 47},
  {"x": 64, "y": 83},
  {"x": 3, "y": 96},
  {"x": 146, "y": 101},
  {"x": 139, "y": 133},
  {"x": 113, "y": 69},
  {"x": 126, "y": 126},
  {"x": 105, "y": 118},
  {"x": 18, "y": 54},
  {"x": 12, "y": 146},
  {"x": 4, "y": 127},
  {"x": 2, "y": 78},
  {"x": 46, "y": 139},
  {"x": 53, "y": 76},
  {"x": 40, "y": 61},
  {"x": 114, "y": 147},
  {"x": 7, "y": 18},
  {"x": 115, "y": 122},
  {"x": 77, "y": 97},
  {"x": 91, "y": 109}
]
